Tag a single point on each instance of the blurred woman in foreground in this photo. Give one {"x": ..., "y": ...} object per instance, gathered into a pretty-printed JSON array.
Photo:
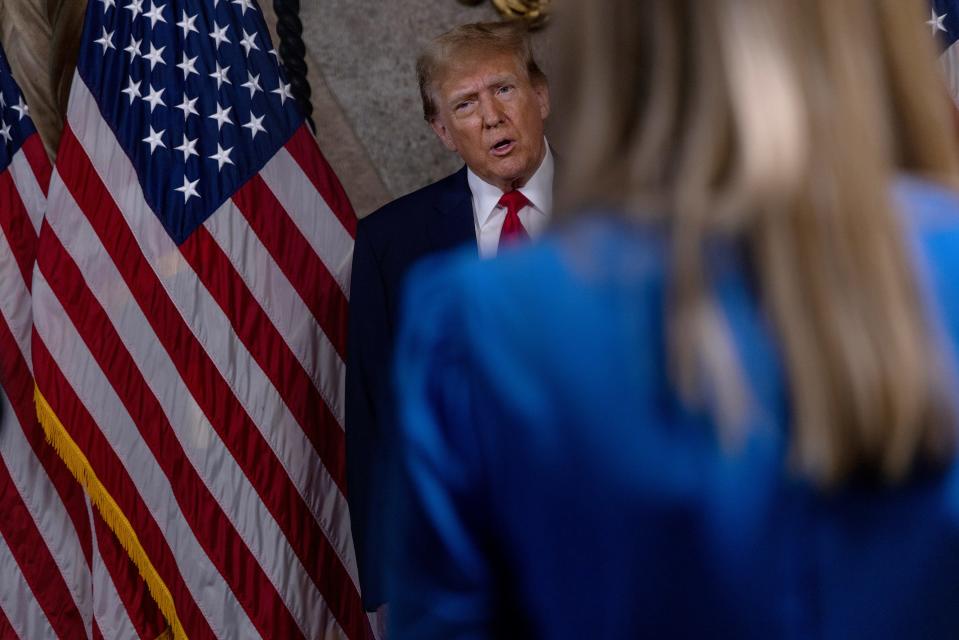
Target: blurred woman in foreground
[{"x": 719, "y": 402}]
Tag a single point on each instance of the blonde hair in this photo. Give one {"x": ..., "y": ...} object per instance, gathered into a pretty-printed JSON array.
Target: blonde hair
[
  {"x": 781, "y": 125},
  {"x": 468, "y": 41}
]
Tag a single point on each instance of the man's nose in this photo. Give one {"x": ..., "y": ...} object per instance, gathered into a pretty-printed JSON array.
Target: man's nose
[{"x": 491, "y": 111}]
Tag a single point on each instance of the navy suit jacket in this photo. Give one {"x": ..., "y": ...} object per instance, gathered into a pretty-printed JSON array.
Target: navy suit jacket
[
  {"x": 434, "y": 219},
  {"x": 552, "y": 485}
]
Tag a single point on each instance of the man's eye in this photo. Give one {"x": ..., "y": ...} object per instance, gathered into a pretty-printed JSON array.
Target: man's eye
[
  {"x": 505, "y": 89},
  {"x": 460, "y": 106}
]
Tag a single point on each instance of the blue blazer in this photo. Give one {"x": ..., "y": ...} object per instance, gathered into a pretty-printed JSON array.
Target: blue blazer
[
  {"x": 432, "y": 220},
  {"x": 549, "y": 484}
]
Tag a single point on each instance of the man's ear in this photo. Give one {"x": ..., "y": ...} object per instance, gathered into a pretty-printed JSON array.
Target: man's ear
[
  {"x": 442, "y": 133},
  {"x": 541, "y": 89}
]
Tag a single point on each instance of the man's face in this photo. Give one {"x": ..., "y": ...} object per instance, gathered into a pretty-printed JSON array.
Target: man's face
[{"x": 492, "y": 115}]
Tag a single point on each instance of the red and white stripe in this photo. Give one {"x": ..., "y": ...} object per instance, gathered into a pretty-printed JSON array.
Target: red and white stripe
[
  {"x": 51, "y": 583},
  {"x": 204, "y": 382}
]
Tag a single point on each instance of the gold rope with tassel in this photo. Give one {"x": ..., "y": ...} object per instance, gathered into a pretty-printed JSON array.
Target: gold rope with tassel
[{"x": 79, "y": 466}]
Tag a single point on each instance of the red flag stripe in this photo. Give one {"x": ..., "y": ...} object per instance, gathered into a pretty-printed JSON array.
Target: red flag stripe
[
  {"x": 15, "y": 225},
  {"x": 270, "y": 351},
  {"x": 295, "y": 257},
  {"x": 200, "y": 509},
  {"x": 302, "y": 146},
  {"x": 64, "y": 401},
  {"x": 243, "y": 439}
]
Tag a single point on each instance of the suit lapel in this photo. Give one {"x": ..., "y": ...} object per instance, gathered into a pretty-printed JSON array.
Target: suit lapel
[{"x": 451, "y": 225}]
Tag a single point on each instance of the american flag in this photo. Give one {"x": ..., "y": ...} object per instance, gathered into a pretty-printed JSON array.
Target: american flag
[
  {"x": 189, "y": 303},
  {"x": 62, "y": 572}
]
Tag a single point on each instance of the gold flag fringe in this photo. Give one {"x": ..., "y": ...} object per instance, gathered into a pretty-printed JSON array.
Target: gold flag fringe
[{"x": 79, "y": 466}]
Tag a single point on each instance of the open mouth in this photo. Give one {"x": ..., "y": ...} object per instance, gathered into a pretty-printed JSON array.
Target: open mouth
[{"x": 502, "y": 147}]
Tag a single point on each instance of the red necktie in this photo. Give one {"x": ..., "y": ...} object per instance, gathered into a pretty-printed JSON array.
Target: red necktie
[{"x": 513, "y": 230}]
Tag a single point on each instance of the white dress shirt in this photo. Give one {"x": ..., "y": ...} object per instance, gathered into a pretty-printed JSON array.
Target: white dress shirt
[{"x": 488, "y": 218}]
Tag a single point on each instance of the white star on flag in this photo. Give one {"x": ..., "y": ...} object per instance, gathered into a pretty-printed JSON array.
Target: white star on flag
[
  {"x": 135, "y": 7},
  {"x": 134, "y": 48},
  {"x": 188, "y": 66},
  {"x": 155, "y": 139},
  {"x": 936, "y": 22},
  {"x": 248, "y": 42},
  {"x": 22, "y": 108},
  {"x": 132, "y": 90},
  {"x": 222, "y": 156},
  {"x": 106, "y": 40},
  {"x": 187, "y": 106},
  {"x": 220, "y": 75},
  {"x": 222, "y": 116},
  {"x": 188, "y": 189},
  {"x": 255, "y": 125},
  {"x": 244, "y": 5},
  {"x": 253, "y": 84},
  {"x": 188, "y": 148},
  {"x": 283, "y": 91},
  {"x": 155, "y": 14},
  {"x": 155, "y": 56},
  {"x": 219, "y": 35},
  {"x": 155, "y": 98},
  {"x": 187, "y": 24}
]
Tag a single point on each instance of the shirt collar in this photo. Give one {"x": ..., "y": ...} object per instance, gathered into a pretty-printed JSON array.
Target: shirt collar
[{"x": 538, "y": 190}]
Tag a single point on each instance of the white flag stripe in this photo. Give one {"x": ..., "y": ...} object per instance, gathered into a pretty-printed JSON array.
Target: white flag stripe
[
  {"x": 259, "y": 398},
  {"x": 207, "y": 454},
  {"x": 48, "y": 512},
  {"x": 312, "y": 216},
  {"x": 281, "y": 303},
  {"x": 949, "y": 61},
  {"x": 227, "y": 618},
  {"x": 108, "y": 609},
  {"x": 16, "y": 599},
  {"x": 29, "y": 189},
  {"x": 14, "y": 300}
]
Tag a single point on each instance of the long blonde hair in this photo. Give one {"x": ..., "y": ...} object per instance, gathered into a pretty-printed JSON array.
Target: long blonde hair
[{"x": 781, "y": 124}]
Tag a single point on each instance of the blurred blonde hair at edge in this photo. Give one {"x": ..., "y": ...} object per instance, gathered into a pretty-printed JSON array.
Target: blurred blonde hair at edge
[{"x": 783, "y": 125}]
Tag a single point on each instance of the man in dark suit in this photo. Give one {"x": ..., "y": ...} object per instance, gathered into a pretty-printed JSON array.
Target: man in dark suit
[{"x": 487, "y": 100}]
